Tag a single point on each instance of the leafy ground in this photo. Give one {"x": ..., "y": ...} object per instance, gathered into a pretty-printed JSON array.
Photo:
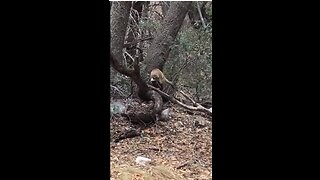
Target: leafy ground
[{"x": 180, "y": 148}]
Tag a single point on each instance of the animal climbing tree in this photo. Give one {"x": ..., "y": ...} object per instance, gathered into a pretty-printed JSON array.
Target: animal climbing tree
[{"x": 127, "y": 56}]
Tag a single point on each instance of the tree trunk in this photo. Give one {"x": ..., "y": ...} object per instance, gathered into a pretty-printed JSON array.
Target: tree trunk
[
  {"x": 159, "y": 50},
  {"x": 118, "y": 26},
  {"x": 119, "y": 21}
]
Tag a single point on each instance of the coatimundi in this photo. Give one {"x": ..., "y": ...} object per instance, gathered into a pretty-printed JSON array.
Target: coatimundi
[{"x": 157, "y": 78}]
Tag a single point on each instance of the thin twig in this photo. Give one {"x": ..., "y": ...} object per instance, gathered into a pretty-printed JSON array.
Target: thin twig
[
  {"x": 155, "y": 149},
  {"x": 184, "y": 164},
  {"x": 117, "y": 89},
  {"x": 202, "y": 20}
]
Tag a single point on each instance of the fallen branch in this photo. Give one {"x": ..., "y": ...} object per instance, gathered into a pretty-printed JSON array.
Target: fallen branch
[
  {"x": 155, "y": 149},
  {"x": 127, "y": 134},
  {"x": 186, "y": 96},
  {"x": 184, "y": 164},
  {"x": 198, "y": 107}
]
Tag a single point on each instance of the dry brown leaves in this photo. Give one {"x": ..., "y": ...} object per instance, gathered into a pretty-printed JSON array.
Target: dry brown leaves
[{"x": 177, "y": 148}]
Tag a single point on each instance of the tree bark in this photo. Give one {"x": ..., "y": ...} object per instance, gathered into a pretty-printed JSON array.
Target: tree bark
[
  {"x": 159, "y": 50},
  {"x": 118, "y": 26}
]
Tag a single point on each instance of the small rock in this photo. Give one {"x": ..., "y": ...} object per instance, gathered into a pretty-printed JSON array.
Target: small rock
[
  {"x": 142, "y": 160},
  {"x": 165, "y": 115}
]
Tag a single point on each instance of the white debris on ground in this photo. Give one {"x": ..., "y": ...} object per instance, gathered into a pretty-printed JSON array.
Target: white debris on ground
[{"x": 142, "y": 160}]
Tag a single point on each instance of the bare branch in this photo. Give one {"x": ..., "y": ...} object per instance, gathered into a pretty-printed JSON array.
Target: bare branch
[
  {"x": 117, "y": 89},
  {"x": 202, "y": 20},
  {"x": 125, "y": 52},
  {"x": 117, "y": 66},
  {"x": 156, "y": 12},
  {"x": 197, "y": 108}
]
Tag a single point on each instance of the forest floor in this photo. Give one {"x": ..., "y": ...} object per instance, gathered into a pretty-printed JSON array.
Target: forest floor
[{"x": 180, "y": 148}]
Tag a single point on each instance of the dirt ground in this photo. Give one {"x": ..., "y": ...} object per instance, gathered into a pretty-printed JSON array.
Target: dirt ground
[{"x": 180, "y": 148}]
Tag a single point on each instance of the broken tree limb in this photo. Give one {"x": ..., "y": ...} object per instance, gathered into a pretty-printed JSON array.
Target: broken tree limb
[{"x": 197, "y": 108}]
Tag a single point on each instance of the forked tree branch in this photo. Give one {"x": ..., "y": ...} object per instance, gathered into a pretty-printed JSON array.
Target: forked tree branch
[{"x": 121, "y": 69}]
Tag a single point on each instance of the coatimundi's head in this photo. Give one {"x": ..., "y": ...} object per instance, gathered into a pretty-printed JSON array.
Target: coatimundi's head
[
  {"x": 157, "y": 78},
  {"x": 156, "y": 75}
]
